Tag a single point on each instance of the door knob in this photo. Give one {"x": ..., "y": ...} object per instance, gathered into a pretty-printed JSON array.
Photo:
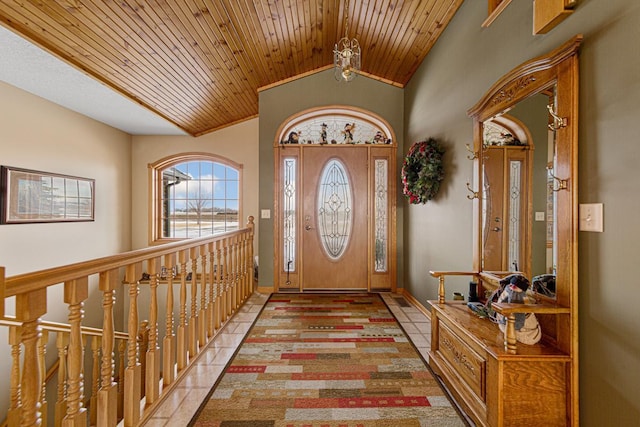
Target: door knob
[
  {"x": 496, "y": 229},
  {"x": 308, "y": 227}
]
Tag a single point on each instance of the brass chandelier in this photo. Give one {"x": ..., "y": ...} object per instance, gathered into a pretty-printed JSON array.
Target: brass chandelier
[{"x": 346, "y": 53}]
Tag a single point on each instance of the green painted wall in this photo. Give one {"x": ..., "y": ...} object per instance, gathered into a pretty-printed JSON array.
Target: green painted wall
[
  {"x": 320, "y": 89},
  {"x": 464, "y": 63}
]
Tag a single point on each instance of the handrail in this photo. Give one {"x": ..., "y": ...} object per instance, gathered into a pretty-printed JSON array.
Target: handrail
[
  {"x": 440, "y": 275},
  {"x": 28, "y": 282},
  {"x": 211, "y": 278}
]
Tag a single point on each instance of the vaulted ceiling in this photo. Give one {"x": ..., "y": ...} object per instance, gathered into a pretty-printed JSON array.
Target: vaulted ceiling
[{"x": 201, "y": 63}]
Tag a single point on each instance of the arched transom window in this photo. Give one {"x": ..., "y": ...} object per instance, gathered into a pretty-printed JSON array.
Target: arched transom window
[{"x": 195, "y": 195}]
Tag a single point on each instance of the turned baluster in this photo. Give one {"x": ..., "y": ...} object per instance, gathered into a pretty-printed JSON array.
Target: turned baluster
[
  {"x": 441, "y": 291},
  {"x": 108, "y": 392},
  {"x": 75, "y": 292},
  {"x": 168, "y": 343},
  {"x": 193, "y": 320},
  {"x": 143, "y": 346},
  {"x": 62, "y": 341},
  {"x": 212, "y": 286},
  {"x": 222, "y": 296},
  {"x": 93, "y": 403},
  {"x": 202, "y": 315},
  {"x": 152, "y": 369},
  {"x": 42, "y": 351},
  {"x": 182, "y": 324},
  {"x": 236, "y": 273},
  {"x": 133, "y": 373},
  {"x": 228, "y": 281},
  {"x": 29, "y": 308},
  {"x": 217, "y": 289},
  {"x": 510, "y": 334},
  {"x": 122, "y": 351},
  {"x": 15, "y": 402}
]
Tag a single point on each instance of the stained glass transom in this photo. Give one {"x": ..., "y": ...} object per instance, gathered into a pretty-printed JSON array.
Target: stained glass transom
[
  {"x": 335, "y": 129},
  {"x": 495, "y": 134},
  {"x": 335, "y": 211}
]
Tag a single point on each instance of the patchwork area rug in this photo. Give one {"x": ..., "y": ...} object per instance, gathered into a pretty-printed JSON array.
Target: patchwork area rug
[{"x": 320, "y": 360}]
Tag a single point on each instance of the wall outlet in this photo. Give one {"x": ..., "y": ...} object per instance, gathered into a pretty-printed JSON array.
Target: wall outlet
[
  {"x": 591, "y": 217},
  {"x": 265, "y": 213},
  {"x": 540, "y": 216}
]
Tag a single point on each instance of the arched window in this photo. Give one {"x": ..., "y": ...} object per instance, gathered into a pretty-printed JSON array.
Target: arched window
[{"x": 194, "y": 195}]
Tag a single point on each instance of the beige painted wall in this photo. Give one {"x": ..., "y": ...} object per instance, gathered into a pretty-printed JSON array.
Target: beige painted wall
[
  {"x": 238, "y": 143},
  {"x": 465, "y": 62},
  {"x": 36, "y": 134}
]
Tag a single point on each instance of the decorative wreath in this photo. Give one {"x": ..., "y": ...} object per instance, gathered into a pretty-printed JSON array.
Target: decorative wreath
[{"x": 422, "y": 171}]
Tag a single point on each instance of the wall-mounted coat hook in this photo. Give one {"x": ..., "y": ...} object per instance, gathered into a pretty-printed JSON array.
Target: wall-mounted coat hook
[
  {"x": 557, "y": 184},
  {"x": 474, "y": 153},
  {"x": 473, "y": 195},
  {"x": 558, "y": 122}
]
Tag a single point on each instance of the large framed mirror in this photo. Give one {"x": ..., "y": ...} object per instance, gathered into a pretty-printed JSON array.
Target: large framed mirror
[{"x": 518, "y": 195}]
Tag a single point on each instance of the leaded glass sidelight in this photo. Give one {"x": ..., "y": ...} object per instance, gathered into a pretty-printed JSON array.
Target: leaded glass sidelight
[
  {"x": 335, "y": 209},
  {"x": 380, "y": 204},
  {"x": 515, "y": 191},
  {"x": 289, "y": 216}
]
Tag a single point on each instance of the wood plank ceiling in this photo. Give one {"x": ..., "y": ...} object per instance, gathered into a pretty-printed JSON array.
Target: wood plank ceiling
[{"x": 200, "y": 63}]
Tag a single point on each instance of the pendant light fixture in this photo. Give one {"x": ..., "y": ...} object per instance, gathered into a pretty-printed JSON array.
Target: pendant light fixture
[{"x": 346, "y": 53}]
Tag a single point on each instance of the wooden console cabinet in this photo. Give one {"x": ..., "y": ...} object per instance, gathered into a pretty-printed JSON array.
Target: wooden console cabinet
[{"x": 494, "y": 387}]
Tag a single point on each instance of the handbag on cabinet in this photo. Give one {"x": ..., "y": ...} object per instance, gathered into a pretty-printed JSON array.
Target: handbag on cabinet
[{"x": 513, "y": 289}]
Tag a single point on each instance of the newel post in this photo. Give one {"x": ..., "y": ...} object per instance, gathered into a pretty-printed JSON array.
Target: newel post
[{"x": 75, "y": 292}]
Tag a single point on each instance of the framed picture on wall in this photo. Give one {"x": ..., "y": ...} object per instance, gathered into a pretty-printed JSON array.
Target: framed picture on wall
[{"x": 28, "y": 196}]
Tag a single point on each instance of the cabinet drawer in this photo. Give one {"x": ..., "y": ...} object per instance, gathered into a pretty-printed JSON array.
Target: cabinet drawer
[{"x": 468, "y": 364}]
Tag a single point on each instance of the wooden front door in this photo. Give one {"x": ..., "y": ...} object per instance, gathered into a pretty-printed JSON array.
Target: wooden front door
[
  {"x": 335, "y": 202},
  {"x": 506, "y": 221},
  {"x": 334, "y": 218}
]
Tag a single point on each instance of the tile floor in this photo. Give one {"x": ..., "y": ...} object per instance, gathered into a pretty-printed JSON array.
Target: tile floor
[{"x": 180, "y": 406}]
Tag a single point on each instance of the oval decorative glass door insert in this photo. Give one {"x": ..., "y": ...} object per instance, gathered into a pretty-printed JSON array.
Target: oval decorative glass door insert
[{"x": 335, "y": 211}]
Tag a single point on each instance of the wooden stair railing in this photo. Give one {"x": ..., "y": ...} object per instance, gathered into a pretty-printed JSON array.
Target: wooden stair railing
[{"x": 213, "y": 277}]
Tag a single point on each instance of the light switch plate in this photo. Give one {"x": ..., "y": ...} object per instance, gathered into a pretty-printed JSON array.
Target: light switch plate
[
  {"x": 265, "y": 213},
  {"x": 591, "y": 217},
  {"x": 540, "y": 216}
]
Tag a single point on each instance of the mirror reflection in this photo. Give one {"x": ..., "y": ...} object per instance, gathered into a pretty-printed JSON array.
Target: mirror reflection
[{"x": 518, "y": 197}]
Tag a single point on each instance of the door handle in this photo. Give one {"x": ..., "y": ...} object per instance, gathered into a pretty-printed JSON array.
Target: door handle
[
  {"x": 308, "y": 227},
  {"x": 496, "y": 229}
]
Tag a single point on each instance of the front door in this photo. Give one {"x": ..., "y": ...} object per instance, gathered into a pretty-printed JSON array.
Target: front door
[
  {"x": 335, "y": 202},
  {"x": 334, "y": 218}
]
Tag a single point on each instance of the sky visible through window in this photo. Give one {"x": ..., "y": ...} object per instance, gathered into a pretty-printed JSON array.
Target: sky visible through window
[{"x": 203, "y": 199}]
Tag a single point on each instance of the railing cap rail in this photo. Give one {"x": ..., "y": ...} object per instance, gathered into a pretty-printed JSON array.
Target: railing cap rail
[{"x": 29, "y": 282}]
